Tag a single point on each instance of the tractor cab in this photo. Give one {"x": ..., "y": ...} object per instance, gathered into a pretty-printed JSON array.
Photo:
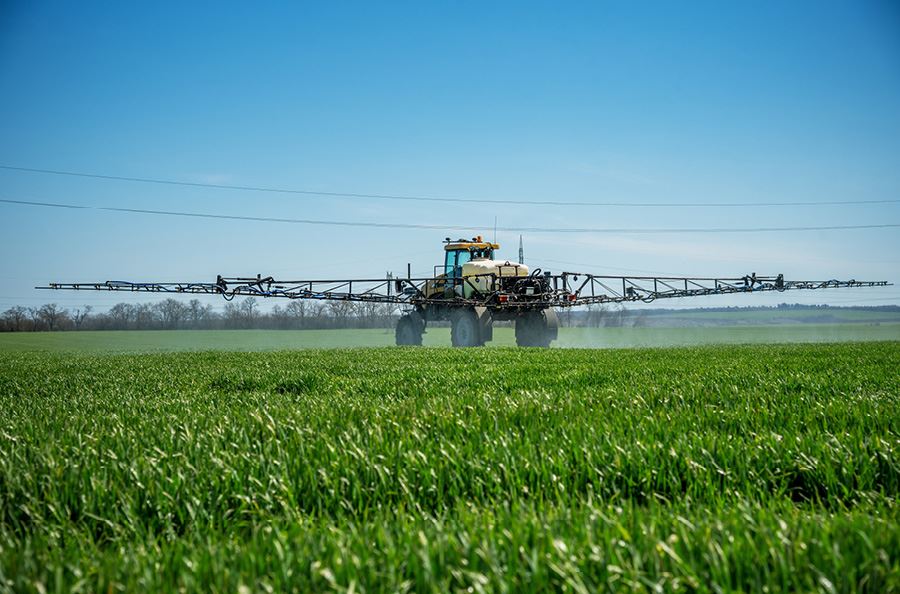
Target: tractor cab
[
  {"x": 448, "y": 278},
  {"x": 457, "y": 253}
]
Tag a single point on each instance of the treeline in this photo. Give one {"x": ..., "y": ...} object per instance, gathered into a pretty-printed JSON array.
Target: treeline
[
  {"x": 172, "y": 314},
  {"x": 602, "y": 316}
]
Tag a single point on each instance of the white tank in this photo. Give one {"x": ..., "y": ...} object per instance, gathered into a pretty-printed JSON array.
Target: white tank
[{"x": 498, "y": 268}]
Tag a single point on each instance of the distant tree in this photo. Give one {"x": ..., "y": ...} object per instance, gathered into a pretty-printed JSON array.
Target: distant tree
[
  {"x": 365, "y": 314},
  {"x": 241, "y": 315},
  {"x": 373, "y": 315},
  {"x": 145, "y": 316},
  {"x": 171, "y": 312},
  {"x": 199, "y": 314},
  {"x": 121, "y": 315},
  {"x": 296, "y": 310},
  {"x": 278, "y": 318},
  {"x": 316, "y": 315},
  {"x": 385, "y": 313},
  {"x": 34, "y": 314},
  {"x": 79, "y": 315},
  {"x": 249, "y": 311},
  {"x": 52, "y": 316},
  {"x": 232, "y": 315},
  {"x": 341, "y": 311},
  {"x": 15, "y": 317}
]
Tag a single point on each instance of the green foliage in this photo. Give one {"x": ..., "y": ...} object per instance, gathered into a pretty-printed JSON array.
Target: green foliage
[{"x": 711, "y": 469}]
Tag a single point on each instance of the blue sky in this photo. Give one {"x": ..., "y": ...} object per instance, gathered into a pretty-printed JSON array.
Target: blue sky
[{"x": 621, "y": 102}]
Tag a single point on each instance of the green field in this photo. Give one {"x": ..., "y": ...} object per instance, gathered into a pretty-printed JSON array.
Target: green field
[
  {"x": 769, "y": 316},
  {"x": 270, "y": 340},
  {"x": 725, "y": 468}
]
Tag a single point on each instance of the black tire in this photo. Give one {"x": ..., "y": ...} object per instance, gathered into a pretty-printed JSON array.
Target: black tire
[
  {"x": 533, "y": 330},
  {"x": 410, "y": 330},
  {"x": 464, "y": 330},
  {"x": 526, "y": 331}
]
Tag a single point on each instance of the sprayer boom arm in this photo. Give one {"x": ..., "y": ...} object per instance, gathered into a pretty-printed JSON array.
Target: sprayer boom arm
[{"x": 566, "y": 289}]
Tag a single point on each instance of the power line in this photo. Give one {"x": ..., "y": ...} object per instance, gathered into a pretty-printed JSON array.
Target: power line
[
  {"x": 448, "y": 227},
  {"x": 607, "y": 267},
  {"x": 171, "y": 182}
]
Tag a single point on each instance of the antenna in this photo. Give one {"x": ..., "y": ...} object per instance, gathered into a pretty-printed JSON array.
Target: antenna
[
  {"x": 495, "y": 230},
  {"x": 521, "y": 251}
]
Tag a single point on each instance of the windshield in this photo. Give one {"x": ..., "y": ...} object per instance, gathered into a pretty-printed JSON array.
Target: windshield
[{"x": 454, "y": 262}]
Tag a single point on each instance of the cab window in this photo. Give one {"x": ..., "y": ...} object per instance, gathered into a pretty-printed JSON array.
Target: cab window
[
  {"x": 454, "y": 261},
  {"x": 449, "y": 262}
]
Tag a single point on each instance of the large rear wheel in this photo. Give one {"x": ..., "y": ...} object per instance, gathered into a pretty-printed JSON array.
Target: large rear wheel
[
  {"x": 464, "y": 330},
  {"x": 537, "y": 328},
  {"x": 410, "y": 329}
]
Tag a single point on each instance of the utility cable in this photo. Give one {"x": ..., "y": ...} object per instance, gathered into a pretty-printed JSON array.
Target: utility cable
[
  {"x": 464, "y": 228},
  {"x": 171, "y": 182}
]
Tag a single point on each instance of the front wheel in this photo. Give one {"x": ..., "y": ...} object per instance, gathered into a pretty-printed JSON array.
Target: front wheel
[{"x": 464, "y": 330}]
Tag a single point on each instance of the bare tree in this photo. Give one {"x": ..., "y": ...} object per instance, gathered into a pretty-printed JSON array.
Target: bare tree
[
  {"x": 250, "y": 309},
  {"x": 278, "y": 318},
  {"x": 79, "y": 315},
  {"x": 297, "y": 311},
  {"x": 365, "y": 314},
  {"x": 248, "y": 312},
  {"x": 241, "y": 315},
  {"x": 316, "y": 312},
  {"x": 386, "y": 314},
  {"x": 374, "y": 315},
  {"x": 232, "y": 315},
  {"x": 34, "y": 314},
  {"x": 341, "y": 311},
  {"x": 52, "y": 315},
  {"x": 145, "y": 316},
  {"x": 15, "y": 317},
  {"x": 172, "y": 312},
  {"x": 121, "y": 315},
  {"x": 198, "y": 313}
]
